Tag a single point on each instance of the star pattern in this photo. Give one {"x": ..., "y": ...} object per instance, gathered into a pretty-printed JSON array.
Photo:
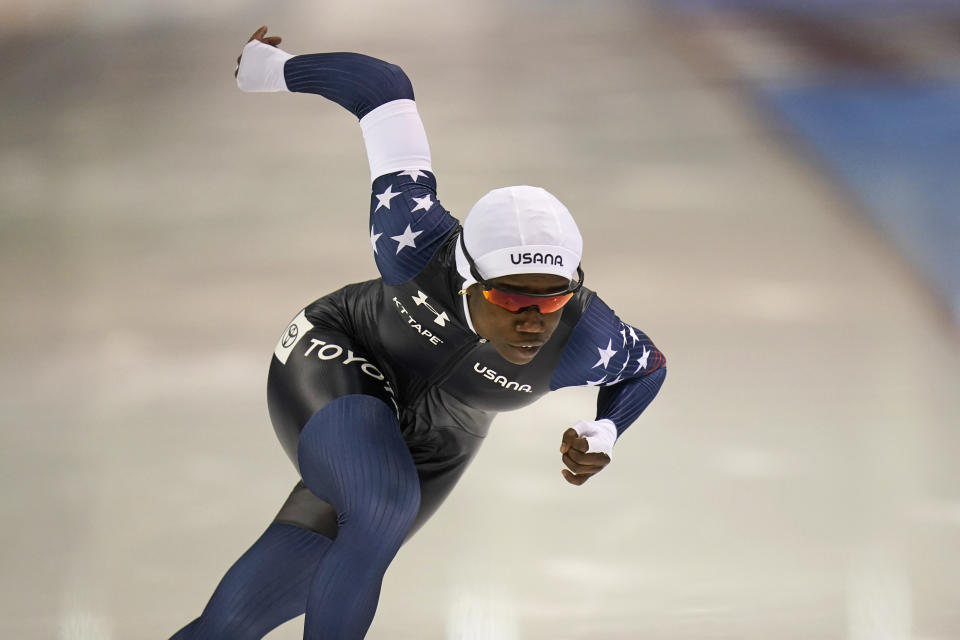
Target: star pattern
[
  {"x": 406, "y": 238},
  {"x": 413, "y": 173},
  {"x": 642, "y": 360},
  {"x": 386, "y": 197},
  {"x": 605, "y": 355},
  {"x": 422, "y": 203},
  {"x": 373, "y": 239},
  {"x": 594, "y": 359}
]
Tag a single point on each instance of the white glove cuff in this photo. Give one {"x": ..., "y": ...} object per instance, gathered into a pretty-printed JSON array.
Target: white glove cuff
[
  {"x": 261, "y": 68},
  {"x": 600, "y": 434}
]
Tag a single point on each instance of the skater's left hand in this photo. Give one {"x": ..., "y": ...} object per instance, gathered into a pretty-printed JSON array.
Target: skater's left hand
[{"x": 581, "y": 465}]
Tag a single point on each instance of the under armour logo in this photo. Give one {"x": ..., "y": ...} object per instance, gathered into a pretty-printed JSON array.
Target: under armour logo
[{"x": 421, "y": 299}]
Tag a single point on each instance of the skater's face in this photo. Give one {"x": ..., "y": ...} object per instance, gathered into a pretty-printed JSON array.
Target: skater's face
[{"x": 516, "y": 335}]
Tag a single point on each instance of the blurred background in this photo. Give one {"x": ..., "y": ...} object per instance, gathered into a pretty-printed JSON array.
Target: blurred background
[{"x": 768, "y": 189}]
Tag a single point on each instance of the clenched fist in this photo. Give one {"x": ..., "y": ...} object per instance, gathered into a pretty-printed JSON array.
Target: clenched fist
[{"x": 581, "y": 465}]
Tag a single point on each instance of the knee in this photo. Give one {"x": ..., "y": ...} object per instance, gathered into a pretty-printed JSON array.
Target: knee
[{"x": 384, "y": 510}]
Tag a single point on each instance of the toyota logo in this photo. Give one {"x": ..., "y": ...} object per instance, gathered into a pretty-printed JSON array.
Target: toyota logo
[{"x": 291, "y": 337}]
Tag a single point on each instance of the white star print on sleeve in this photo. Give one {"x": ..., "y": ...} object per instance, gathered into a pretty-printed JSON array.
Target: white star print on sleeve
[
  {"x": 642, "y": 360},
  {"x": 386, "y": 197},
  {"x": 605, "y": 355},
  {"x": 373, "y": 239},
  {"x": 422, "y": 203},
  {"x": 406, "y": 239},
  {"x": 413, "y": 173}
]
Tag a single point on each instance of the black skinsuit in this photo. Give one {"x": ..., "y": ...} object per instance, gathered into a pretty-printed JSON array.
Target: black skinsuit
[{"x": 432, "y": 376}]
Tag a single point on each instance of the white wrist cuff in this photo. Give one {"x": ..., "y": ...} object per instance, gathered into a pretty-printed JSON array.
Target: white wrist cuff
[
  {"x": 395, "y": 138},
  {"x": 261, "y": 68},
  {"x": 600, "y": 434}
]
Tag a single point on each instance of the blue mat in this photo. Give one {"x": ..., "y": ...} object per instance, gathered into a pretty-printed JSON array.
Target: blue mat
[
  {"x": 815, "y": 6},
  {"x": 896, "y": 144}
]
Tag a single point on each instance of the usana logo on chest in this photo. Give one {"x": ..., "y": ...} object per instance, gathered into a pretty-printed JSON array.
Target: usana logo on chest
[{"x": 501, "y": 380}]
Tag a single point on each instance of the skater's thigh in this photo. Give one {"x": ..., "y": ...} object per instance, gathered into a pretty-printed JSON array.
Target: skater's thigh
[{"x": 312, "y": 368}]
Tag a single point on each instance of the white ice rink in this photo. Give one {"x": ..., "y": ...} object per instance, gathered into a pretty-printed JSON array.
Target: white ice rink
[{"x": 796, "y": 479}]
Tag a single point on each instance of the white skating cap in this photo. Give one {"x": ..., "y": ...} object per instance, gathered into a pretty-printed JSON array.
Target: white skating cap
[{"x": 520, "y": 230}]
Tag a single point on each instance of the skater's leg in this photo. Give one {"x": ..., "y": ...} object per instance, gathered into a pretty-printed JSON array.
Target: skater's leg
[
  {"x": 351, "y": 455},
  {"x": 283, "y": 560},
  {"x": 267, "y": 586}
]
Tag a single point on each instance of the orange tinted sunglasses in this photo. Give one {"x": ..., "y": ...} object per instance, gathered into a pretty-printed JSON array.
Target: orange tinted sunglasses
[{"x": 512, "y": 301}]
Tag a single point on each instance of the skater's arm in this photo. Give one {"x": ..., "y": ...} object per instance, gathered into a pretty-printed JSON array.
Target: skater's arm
[
  {"x": 629, "y": 370},
  {"x": 378, "y": 93},
  {"x": 407, "y": 222}
]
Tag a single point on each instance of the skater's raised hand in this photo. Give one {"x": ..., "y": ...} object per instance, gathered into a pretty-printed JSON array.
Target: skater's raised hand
[{"x": 261, "y": 35}]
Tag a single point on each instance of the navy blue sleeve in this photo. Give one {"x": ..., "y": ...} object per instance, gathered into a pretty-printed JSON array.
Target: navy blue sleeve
[
  {"x": 624, "y": 401},
  {"x": 356, "y": 82},
  {"x": 605, "y": 352},
  {"x": 407, "y": 222}
]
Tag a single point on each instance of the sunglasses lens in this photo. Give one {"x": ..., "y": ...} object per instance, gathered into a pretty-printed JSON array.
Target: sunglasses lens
[{"x": 517, "y": 301}]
